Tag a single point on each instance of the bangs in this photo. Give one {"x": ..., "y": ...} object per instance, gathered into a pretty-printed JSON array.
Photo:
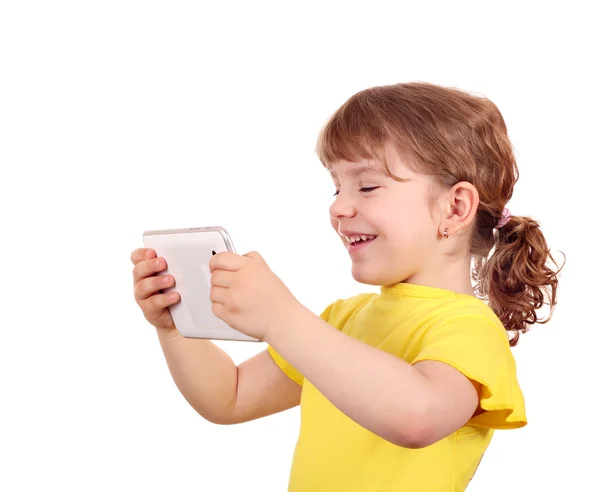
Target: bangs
[{"x": 356, "y": 131}]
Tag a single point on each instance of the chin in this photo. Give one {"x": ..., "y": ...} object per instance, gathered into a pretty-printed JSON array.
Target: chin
[
  {"x": 363, "y": 276},
  {"x": 373, "y": 277}
]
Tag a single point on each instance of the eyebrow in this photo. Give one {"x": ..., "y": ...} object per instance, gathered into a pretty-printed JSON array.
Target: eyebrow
[{"x": 357, "y": 171}]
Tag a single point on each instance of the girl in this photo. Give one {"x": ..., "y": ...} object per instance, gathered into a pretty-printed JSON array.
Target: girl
[{"x": 399, "y": 390}]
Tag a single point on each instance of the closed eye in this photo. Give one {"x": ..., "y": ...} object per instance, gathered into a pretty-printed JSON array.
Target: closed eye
[{"x": 363, "y": 190}]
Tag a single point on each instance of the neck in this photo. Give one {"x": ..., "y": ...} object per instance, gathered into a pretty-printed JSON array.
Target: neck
[{"x": 450, "y": 273}]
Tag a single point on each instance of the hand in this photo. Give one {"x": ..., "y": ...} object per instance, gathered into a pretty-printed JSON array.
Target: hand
[
  {"x": 147, "y": 286},
  {"x": 248, "y": 296}
]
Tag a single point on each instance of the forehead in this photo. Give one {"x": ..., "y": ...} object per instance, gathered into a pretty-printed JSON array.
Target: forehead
[{"x": 355, "y": 169}]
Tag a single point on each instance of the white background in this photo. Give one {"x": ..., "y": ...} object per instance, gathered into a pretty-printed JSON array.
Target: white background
[{"x": 122, "y": 116}]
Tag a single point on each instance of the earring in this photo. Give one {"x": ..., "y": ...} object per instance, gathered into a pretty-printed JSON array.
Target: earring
[{"x": 446, "y": 233}]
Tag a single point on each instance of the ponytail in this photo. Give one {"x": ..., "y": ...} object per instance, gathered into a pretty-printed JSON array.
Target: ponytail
[{"x": 519, "y": 277}]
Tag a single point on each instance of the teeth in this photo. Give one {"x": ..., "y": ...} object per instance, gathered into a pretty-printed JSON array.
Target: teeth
[{"x": 354, "y": 239}]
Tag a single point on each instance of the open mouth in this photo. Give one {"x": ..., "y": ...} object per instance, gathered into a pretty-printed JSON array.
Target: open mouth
[{"x": 358, "y": 242}]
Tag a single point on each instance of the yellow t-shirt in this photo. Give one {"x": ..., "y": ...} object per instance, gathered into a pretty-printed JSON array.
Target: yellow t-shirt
[{"x": 415, "y": 323}]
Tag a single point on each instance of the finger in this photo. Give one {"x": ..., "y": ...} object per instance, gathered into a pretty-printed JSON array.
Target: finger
[
  {"x": 255, "y": 255},
  {"x": 151, "y": 285},
  {"x": 146, "y": 268},
  {"x": 142, "y": 254},
  {"x": 226, "y": 260},
  {"x": 162, "y": 301},
  {"x": 221, "y": 278},
  {"x": 218, "y": 295},
  {"x": 218, "y": 310}
]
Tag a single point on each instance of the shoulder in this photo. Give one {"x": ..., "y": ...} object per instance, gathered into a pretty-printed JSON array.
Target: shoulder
[
  {"x": 468, "y": 336},
  {"x": 342, "y": 309},
  {"x": 468, "y": 312},
  {"x": 467, "y": 332}
]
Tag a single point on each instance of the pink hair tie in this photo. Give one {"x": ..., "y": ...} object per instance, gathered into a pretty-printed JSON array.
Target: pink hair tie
[{"x": 506, "y": 215}]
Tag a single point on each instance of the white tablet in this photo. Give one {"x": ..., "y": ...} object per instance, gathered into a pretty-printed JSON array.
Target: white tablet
[{"x": 188, "y": 252}]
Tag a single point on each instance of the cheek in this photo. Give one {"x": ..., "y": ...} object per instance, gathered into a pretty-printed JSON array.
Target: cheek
[{"x": 407, "y": 224}]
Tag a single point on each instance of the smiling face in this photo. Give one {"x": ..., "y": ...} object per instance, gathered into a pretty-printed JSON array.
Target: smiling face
[{"x": 389, "y": 227}]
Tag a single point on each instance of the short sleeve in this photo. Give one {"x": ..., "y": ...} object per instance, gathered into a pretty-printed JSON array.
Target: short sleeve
[
  {"x": 480, "y": 350},
  {"x": 289, "y": 370}
]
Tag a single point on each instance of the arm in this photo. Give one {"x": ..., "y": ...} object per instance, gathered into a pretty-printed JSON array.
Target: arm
[
  {"x": 204, "y": 374},
  {"x": 221, "y": 392},
  {"x": 411, "y": 406}
]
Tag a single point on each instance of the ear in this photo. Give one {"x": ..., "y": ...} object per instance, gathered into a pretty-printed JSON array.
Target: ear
[{"x": 460, "y": 208}]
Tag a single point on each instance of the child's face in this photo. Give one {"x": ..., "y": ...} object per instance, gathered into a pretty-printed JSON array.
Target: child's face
[{"x": 397, "y": 214}]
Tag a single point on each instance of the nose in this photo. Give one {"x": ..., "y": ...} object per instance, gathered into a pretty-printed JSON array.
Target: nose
[{"x": 343, "y": 206}]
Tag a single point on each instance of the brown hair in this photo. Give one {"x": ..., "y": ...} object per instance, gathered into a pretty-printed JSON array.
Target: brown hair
[{"x": 455, "y": 136}]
